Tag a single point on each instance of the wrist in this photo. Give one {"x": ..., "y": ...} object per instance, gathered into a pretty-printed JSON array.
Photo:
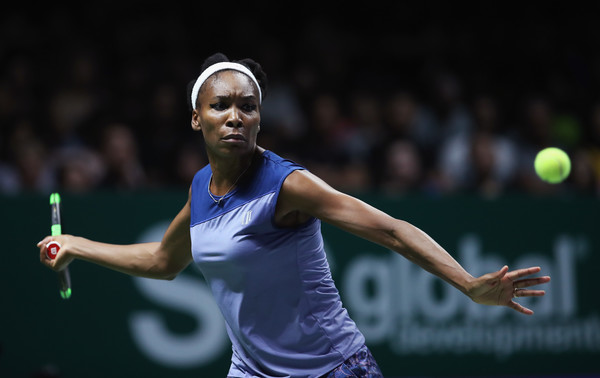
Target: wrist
[
  {"x": 466, "y": 285},
  {"x": 75, "y": 245},
  {"x": 471, "y": 288}
]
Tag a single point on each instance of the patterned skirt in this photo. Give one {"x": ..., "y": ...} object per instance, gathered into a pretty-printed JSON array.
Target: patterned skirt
[{"x": 362, "y": 364}]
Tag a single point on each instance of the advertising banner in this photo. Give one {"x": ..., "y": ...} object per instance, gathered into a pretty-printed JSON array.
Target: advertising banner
[{"x": 415, "y": 324}]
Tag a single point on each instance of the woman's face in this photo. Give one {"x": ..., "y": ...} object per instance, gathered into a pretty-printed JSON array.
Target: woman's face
[{"x": 228, "y": 113}]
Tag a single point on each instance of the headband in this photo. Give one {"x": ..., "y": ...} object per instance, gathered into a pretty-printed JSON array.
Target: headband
[{"x": 220, "y": 67}]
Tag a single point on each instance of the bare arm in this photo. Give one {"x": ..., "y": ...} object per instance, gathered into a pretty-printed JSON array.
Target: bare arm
[
  {"x": 304, "y": 193},
  {"x": 161, "y": 260}
]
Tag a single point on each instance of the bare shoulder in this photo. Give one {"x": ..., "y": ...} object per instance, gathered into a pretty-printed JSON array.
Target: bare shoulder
[
  {"x": 289, "y": 211},
  {"x": 303, "y": 187},
  {"x": 301, "y": 180},
  {"x": 304, "y": 195}
]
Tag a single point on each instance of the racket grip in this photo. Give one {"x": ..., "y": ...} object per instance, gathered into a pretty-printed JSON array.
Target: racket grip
[{"x": 64, "y": 278}]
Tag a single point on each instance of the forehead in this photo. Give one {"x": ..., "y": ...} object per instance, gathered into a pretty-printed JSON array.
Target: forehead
[{"x": 229, "y": 82}]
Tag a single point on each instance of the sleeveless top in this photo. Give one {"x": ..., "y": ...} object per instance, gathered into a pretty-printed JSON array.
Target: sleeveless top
[{"x": 273, "y": 285}]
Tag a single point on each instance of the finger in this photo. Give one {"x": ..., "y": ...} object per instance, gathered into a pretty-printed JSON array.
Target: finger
[
  {"x": 528, "y": 293},
  {"x": 517, "y": 307},
  {"x": 531, "y": 282},
  {"x": 44, "y": 241},
  {"x": 515, "y": 274},
  {"x": 44, "y": 259}
]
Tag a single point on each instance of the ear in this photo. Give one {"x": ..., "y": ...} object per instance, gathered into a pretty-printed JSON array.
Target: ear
[{"x": 196, "y": 126}]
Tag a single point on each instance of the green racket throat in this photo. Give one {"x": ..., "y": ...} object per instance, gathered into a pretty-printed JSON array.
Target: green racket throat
[{"x": 56, "y": 229}]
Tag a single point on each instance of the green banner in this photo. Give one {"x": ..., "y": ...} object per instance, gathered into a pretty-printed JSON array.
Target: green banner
[{"x": 119, "y": 326}]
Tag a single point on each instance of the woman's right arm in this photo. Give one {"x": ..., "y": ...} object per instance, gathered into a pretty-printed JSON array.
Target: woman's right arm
[{"x": 160, "y": 260}]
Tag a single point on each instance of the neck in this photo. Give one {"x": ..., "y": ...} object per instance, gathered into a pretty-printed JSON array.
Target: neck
[{"x": 226, "y": 172}]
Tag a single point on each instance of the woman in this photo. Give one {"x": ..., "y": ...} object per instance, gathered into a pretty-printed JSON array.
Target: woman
[{"x": 252, "y": 224}]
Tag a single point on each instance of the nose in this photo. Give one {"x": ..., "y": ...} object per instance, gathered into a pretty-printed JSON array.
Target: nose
[{"x": 234, "y": 120}]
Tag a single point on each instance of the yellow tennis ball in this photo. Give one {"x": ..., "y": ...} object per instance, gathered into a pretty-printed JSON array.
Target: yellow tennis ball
[{"x": 552, "y": 165}]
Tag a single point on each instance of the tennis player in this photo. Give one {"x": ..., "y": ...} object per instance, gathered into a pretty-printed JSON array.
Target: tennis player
[{"x": 252, "y": 225}]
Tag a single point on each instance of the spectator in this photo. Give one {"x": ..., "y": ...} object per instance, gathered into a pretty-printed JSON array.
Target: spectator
[
  {"x": 76, "y": 100},
  {"x": 33, "y": 171},
  {"x": 190, "y": 159},
  {"x": 79, "y": 170},
  {"x": 444, "y": 117},
  {"x": 120, "y": 152},
  {"x": 582, "y": 177},
  {"x": 367, "y": 119},
  {"x": 403, "y": 173},
  {"x": 324, "y": 147},
  {"x": 482, "y": 159}
]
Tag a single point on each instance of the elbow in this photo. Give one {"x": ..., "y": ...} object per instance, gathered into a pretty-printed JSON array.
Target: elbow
[
  {"x": 169, "y": 273},
  {"x": 167, "y": 264},
  {"x": 165, "y": 275},
  {"x": 166, "y": 270}
]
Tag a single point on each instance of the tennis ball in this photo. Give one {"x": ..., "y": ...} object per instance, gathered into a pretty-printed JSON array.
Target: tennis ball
[{"x": 552, "y": 165}]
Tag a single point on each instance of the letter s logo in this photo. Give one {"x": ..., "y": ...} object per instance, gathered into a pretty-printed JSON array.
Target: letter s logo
[{"x": 186, "y": 294}]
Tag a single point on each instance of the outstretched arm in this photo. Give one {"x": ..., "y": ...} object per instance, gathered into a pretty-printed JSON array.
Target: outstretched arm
[
  {"x": 161, "y": 260},
  {"x": 304, "y": 193}
]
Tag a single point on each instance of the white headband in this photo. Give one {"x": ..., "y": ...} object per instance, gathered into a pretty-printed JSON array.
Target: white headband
[{"x": 220, "y": 67}]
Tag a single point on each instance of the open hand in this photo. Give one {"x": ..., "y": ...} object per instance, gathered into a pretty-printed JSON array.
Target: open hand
[{"x": 501, "y": 287}]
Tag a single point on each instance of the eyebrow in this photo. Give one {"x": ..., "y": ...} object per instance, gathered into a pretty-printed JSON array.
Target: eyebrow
[{"x": 226, "y": 97}]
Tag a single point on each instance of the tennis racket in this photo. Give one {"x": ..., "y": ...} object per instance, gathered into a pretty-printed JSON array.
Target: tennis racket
[{"x": 52, "y": 248}]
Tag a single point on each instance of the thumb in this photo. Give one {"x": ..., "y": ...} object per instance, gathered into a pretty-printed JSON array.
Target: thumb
[
  {"x": 501, "y": 273},
  {"x": 496, "y": 276}
]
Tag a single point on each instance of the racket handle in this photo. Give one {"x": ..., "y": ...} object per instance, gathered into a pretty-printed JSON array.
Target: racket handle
[
  {"x": 64, "y": 281},
  {"x": 64, "y": 278}
]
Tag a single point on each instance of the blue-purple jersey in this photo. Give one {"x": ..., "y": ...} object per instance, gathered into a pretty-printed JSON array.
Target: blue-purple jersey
[{"x": 273, "y": 285}]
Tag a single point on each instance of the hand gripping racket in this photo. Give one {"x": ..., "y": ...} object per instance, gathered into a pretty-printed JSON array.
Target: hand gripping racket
[{"x": 53, "y": 247}]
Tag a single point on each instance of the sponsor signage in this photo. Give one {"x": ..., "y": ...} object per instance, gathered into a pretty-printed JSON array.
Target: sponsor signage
[{"x": 415, "y": 324}]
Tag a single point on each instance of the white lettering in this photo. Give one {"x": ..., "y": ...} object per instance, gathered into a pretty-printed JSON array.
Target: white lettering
[
  {"x": 566, "y": 286},
  {"x": 371, "y": 309},
  {"x": 392, "y": 300},
  {"x": 185, "y": 294}
]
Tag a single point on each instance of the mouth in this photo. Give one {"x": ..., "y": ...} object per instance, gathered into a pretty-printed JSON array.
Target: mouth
[{"x": 234, "y": 137}]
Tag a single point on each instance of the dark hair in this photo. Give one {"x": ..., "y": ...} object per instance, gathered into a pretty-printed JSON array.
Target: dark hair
[{"x": 252, "y": 65}]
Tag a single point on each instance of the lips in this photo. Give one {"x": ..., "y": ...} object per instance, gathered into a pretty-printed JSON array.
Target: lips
[{"x": 239, "y": 137}]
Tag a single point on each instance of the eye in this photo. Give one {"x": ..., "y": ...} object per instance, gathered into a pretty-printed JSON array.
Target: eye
[
  {"x": 249, "y": 107},
  {"x": 218, "y": 106}
]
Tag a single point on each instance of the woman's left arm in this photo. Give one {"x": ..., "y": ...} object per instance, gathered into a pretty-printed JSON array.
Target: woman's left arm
[{"x": 304, "y": 193}]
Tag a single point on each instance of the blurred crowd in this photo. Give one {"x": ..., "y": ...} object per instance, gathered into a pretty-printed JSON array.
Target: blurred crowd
[{"x": 89, "y": 102}]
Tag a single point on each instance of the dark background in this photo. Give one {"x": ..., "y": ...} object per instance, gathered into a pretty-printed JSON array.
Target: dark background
[{"x": 86, "y": 90}]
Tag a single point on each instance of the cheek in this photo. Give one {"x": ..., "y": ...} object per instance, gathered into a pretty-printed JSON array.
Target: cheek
[
  {"x": 255, "y": 130},
  {"x": 256, "y": 124},
  {"x": 208, "y": 133},
  {"x": 208, "y": 125}
]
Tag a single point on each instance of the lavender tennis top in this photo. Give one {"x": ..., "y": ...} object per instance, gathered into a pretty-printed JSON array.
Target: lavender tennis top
[{"x": 273, "y": 285}]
